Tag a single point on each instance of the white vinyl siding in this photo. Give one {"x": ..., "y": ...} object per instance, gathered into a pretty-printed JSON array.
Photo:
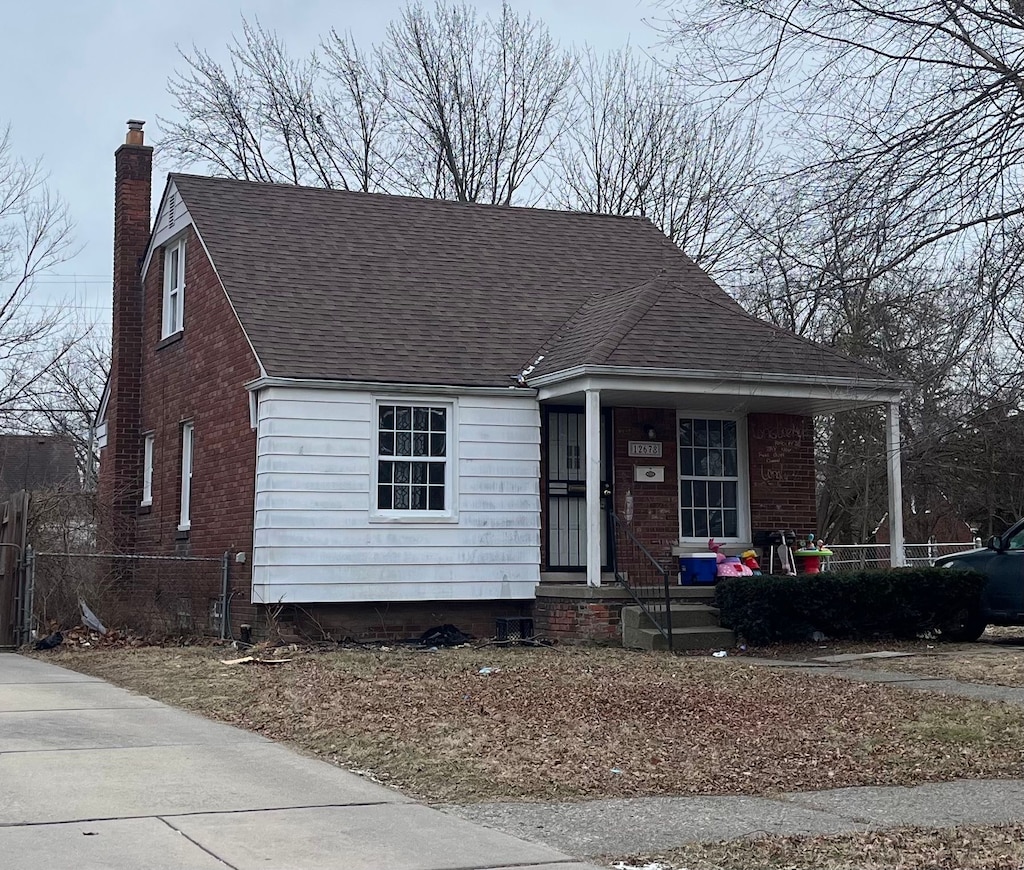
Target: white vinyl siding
[
  {"x": 319, "y": 536},
  {"x": 147, "y": 470},
  {"x": 187, "y": 455},
  {"x": 174, "y": 288}
]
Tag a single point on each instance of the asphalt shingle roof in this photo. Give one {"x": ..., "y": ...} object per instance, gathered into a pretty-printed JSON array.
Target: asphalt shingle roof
[{"x": 353, "y": 286}]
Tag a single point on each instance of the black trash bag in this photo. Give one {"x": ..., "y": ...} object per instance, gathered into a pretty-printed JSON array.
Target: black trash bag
[
  {"x": 50, "y": 641},
  {"x": 444, "y": 635}
]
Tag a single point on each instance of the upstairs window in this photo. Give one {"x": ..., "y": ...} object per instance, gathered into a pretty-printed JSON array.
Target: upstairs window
[
  {"x": 174, "y": 288},
  {"x": 413, "y": 450}
]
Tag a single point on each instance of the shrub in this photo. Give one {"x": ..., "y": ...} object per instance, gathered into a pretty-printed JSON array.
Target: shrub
[{"x": 901, "y": 603}]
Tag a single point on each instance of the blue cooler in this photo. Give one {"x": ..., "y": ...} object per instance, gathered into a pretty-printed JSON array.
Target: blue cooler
[{"x": 697, "y": 568}]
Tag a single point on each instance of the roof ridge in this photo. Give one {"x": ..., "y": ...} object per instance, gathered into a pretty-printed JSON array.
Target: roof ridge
[
  {"x": 650, "y": 293},
  {"x": 451, "y": 203}
]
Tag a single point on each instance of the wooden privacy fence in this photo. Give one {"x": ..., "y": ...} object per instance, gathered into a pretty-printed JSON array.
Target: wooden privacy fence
[{"x": 13, "y": 530}]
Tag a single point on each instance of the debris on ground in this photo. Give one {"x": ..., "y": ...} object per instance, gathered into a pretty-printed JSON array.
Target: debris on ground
[
  {"x": 84, "y": 636},
  {"x": 256, "y": 660},
  {"x": 444, "y": 635},
  {"x": 488, "y": 671},
  {"x": 654, "y": 865},
  {"x": 89, "y": 619},
  {"x": 51, "y": 641}
]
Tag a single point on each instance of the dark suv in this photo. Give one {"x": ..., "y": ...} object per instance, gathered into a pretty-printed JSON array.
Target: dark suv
[{"x": 1002, "y": 600}]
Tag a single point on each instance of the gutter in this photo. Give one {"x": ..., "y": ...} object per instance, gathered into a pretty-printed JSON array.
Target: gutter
[
  {"x": 719, "y": 376},
  {"x": 387, "y": 387}
]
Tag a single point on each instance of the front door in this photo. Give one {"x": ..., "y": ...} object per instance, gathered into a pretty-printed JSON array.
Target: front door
[{"x": 567, "y": 490}]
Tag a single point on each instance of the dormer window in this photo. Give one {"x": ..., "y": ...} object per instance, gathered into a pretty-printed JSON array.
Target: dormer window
[{"x": 174, "y": 288}]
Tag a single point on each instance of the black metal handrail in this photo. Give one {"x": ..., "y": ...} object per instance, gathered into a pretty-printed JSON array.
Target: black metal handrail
[{"x": 653, "y": 597}]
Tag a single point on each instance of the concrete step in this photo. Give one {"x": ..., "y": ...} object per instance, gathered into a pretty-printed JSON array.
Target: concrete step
[
  {"x": 575, "y": 577},
  {"x": 683, "y": 616},
  {"x": 701, "y": 637}
]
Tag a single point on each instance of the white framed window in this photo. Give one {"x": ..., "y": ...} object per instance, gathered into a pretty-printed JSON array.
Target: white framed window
[
  {"x": 713, "y": 486},
  {"x": 147, "y": 470},
  {"x": 174, "y": 288},
  {"x": 414, "y": 471},
  {"x": 187, "y": 453}
]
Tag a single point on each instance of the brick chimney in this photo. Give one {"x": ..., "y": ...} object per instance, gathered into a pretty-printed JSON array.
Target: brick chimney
[{"x": 120, "y": 484}]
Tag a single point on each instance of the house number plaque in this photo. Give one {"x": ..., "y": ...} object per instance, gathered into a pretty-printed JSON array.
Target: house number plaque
[{"x": 645, "y": 448}]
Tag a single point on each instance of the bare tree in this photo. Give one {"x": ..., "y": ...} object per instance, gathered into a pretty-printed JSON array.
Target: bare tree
[
  {"x": 921, "y": 101},
  {"x": 35, "y": 235},
  {"x": 639, "y": 146},
  {"x": 450, "y": 105},
  {"x": 822, "y": 266},
  {"x": 482, "y": 100}
]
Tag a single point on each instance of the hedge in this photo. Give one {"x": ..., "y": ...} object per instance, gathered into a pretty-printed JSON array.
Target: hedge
[{"x": 899, "y": 603}]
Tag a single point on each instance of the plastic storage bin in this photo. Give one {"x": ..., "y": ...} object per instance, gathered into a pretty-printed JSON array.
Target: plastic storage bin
[{"x": 697, "y": 568}]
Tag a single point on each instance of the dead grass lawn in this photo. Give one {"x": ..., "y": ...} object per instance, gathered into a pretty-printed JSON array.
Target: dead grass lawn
[
  {"x": 997, "y": 659},
  {"x": 552, "y": 725},
  {"x": 995, "y": 847}
]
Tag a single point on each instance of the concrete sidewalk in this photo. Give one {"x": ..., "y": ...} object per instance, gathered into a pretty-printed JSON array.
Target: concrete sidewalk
[
  {"x": 96, "y": 778},
  {"x": 643, "y": 825}
]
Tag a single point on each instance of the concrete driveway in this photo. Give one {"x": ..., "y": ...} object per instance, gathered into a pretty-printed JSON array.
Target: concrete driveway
[{"x": 96, "y": 778}]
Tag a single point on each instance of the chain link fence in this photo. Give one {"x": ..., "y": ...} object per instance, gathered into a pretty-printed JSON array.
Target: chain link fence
[
  {"x": 854, "y": 557},
  {"x": 162, "y": 596}
]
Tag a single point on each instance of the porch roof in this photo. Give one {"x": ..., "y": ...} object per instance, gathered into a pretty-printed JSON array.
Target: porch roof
[{"x": 715, "y": 391}]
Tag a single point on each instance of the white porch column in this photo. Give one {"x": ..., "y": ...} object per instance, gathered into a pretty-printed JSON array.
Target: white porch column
[
  {"x": 897, "y": 550},
  {"x": 593, "y": 432}
]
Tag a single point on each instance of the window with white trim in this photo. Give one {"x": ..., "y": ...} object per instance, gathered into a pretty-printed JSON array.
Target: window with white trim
[
  {"x": 187, "y": 452},
  {"x": 174, "y": 288},
  {"x": 413, "y": 459},
  {"x": 147, "y": 470},
  {"x": 709, "y": 478}
]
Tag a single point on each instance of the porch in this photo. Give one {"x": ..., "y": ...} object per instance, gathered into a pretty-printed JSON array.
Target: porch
[{"x": 639, "y": 466}]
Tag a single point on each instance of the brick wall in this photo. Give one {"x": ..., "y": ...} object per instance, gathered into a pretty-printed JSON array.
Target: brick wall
[
  {"x": 199, "y": 377},
  {"x": 572, "y": 620},
  {"x": 655, "y": 505},
  {"x": 782, "y": 473},
  {"x": 387, "y": 621}
]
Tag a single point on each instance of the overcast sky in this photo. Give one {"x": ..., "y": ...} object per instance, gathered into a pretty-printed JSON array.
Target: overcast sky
[{"x": 74, "y": 70}]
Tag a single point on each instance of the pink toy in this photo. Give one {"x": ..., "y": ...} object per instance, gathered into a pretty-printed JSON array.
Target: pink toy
[
  {"x": 734, "y": 569},
  {"x": 717, "y": 550}
]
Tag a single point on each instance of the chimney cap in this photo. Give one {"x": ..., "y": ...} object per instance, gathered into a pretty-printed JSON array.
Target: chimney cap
[{"x": 135, "y": 135}]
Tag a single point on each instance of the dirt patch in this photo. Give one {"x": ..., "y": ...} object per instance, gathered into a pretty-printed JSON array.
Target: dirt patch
[
  {"x": 555, "y": 725},
  {"x": 990, "y": 847}
]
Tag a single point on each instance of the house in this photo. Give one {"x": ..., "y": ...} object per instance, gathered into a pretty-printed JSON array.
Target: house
[
  {"x": 401, "y": 412},
  {"x": 37, "y": 463}
]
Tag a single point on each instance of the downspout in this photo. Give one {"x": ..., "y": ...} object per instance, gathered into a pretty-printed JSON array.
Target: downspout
[{"x": 225, "y": 596}]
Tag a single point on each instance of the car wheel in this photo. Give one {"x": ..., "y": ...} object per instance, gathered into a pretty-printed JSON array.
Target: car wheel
[{"x": 967, "y": 628}]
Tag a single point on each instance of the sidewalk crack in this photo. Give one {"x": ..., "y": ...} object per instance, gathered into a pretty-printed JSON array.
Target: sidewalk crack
[{"x": 197, "y": 844}]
